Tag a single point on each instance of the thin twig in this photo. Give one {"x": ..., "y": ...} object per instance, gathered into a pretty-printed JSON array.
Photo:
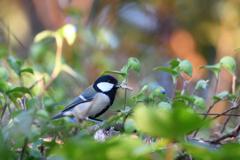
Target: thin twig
[
  {"x": 215, "y": 89},
  {"x": 234, "y": 133},
  {"x": 4, "y": 109},
  {"x": 183, "y": 88},
  {"x": 234, "y": 106},
  {"x": 24, "y": 148},
  {"x": 22, "y": 103},
  {"x": 195, "y": 133},
  {"x": 233, "y": 92},
  {"x": 35, "y": 83},
  {"x": 216, "y": 114},
  {"x": 58, "y": 64},
  {"x": 125, "y": 97}
]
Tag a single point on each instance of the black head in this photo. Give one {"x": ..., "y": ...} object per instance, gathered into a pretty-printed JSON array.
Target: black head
[{"x": 108, "y": 85}]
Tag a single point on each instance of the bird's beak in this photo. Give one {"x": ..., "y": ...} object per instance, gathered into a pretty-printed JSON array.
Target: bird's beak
[{"x": 117, "y": 85}]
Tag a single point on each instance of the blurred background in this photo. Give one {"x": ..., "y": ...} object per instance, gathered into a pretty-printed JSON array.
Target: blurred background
[{"x": 111, "y": 31}]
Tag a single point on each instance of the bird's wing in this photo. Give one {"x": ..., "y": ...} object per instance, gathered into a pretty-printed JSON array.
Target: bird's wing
[{"x": 87, "y": 95}]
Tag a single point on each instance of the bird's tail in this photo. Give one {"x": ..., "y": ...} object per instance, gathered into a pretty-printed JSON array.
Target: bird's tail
[{"x": 60, "y": 115}]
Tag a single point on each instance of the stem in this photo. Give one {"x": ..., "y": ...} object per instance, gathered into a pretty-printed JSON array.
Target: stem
[
  {"x": 183, "y": 84},
  {"x": 125, "y": 97},
  {"x": 24, "y": 148},
  {"x": 209, "y": 109},
  {"x": 233, "y": 92},
  {"x": 234, "y": 133},
  {"x": 58, "y": 64},
  {"x": 174, "y": 88},
  {"x": 216, "y": 114},
  {"x": 215, "y": 89}
]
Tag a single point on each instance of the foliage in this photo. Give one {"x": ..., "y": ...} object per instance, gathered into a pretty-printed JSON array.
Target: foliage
[{"x": 155, "y": 126}]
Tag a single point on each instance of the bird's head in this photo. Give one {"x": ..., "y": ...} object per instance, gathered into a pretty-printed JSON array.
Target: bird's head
[{"x": 106, "y": 83}]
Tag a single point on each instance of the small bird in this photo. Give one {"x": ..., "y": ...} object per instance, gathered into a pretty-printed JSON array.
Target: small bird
[{"x": 94, "y": 101}]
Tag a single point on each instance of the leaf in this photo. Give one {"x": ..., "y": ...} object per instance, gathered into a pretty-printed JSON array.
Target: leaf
[
  {"x": 201, "y": 84},
  {"x": 215, "y": 68},
  {"x": 4, "y": 73},
  {"x": 200, "y": 102},
  {"x": 219, "y": 96},
  {"x": 134, "y": 64},
  {"x": 140, "y": 97},
  {"x": 16, "y": 65},
  {"x": 43, "y": 35},
  {"x": 170, "y": 125},
  {"x": 31, "y": 103},
  {"x": 168, "y": 70},
  {"x": 229, "y": 63},
  {"x": 3, "y": 86},
  {"x": 145, "y": 87},
  {"x": 129, "y": 126},
  {"x": 165, "y": 107},
  {"x": 125, "y": 69},
  {"x": 189, "y": 99},
  {"x": 19, "y": 89},
  {"x": 14, "y": 99},
  {"x": 114, "y": 72},
  {"x": 69, "y": 32},
  {"x": 29, "y": 70},
  {"x": 174, "y": 63},
  {"x": 15, "y": 113},
  {"x": 158, "y": 92},
  {"x": 186, "y": 67},
  {"x": 180, "y": 104}
]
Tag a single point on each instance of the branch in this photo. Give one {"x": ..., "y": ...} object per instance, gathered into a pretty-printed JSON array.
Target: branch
[
  {"x": 216, "y": 114},
  {"x": 4, "y": 109},
  {"x": 234, "y": 106},
  {"x": 234, "y": 134},
  {"x": 34, "y": 84},
  {"x": 233, "y": 92}
]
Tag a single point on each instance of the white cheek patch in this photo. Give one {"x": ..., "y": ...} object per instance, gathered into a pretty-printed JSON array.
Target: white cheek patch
[{"x": 105, "y": 86}]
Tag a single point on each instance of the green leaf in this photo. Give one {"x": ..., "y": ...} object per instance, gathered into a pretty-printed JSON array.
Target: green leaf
[
  {"x": 174, "y": 63},
  {"x": 19, "y": 89},
  {"x": 186, "y": 67},
  {"x": 179, "y": 104},
  {"x": 31, "y": 103},
  {"x": 145, "y": 87},
  {"x": 200, "y": 102},
  {"x": 215, "y": 68},
  {"x": 3, "y": 86},
  {"x": 29, "y": 70},
  {"x": 201, "y": 84},
  {"x": 129, "y": 126},
  {"x": 140, "y": 97},
  {"x": 16, "y": 65},
  {"x": 4, "y": 73},
  {"x": 69, "y": 33},
  {"x": 165, "y": 107},
  {"x": 125, "y": 69},
  {"x": 170, "y": 125},
  {"x": 229, "y": 63},
  {"x": 158, "y": 92},
  {"x": 189, "y": 99},
  {"x": 13, "y": 97},
  {"x": 134, "y": 64},
  {"x": 15, "y": 113},
  {"x": 114, "y": 72},
  {"x": 43, "y": 35},
  {"x": 219, "y": 96},
  {"x": 168, "y": 70}
]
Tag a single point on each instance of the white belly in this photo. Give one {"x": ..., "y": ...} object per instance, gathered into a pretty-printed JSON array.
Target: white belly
[{"x": 90, "y": 109}]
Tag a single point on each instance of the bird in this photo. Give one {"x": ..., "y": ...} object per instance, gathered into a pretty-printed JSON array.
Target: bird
[{"x": 94, "y": 100}]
